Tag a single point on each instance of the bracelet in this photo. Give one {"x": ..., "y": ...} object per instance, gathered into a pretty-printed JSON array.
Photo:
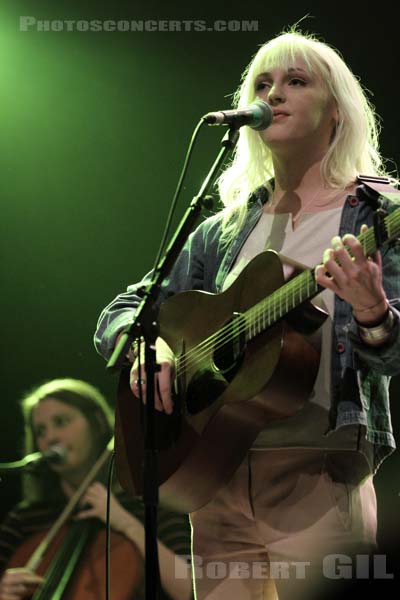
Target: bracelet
[
  {"x": 379, "y": 333},
  {"x": 361, "y": 310}
]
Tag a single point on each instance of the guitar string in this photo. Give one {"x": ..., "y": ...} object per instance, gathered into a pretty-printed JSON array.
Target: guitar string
[
  {"x": 254, "y": 314},
  {"x": 256, "y": 319},
  {"x": 250, "y": 317},
  {"x": 368, "y": 243},
  {"x": 261, "y": 312}
]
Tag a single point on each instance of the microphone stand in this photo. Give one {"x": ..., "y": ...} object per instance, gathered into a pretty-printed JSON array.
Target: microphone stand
[
  {"x": 16, "y": 465},
  {"x": 146, "y": 326},
  {"x": 55, "y": 454}
]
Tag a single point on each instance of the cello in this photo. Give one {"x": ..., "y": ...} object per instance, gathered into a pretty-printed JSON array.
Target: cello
[{"x": 71, "y": 555}]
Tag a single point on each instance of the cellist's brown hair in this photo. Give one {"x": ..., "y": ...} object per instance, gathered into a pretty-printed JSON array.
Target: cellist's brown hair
[{"x": 44, "y": 483}]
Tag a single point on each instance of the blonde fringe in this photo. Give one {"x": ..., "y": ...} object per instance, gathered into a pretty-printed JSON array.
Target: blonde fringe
[{"x": 354, "y": 148}]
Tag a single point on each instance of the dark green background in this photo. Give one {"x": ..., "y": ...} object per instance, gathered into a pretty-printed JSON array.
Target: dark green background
[{"x": 94, "y": 127}]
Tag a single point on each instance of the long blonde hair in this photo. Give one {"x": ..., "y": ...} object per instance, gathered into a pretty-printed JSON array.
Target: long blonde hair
[{"x": 354, "y": 148}]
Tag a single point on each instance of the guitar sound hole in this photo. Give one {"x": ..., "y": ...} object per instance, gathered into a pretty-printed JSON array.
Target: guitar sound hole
[
  {"x": 204, "y": 388},
  {"x": 229, "y": 349}
]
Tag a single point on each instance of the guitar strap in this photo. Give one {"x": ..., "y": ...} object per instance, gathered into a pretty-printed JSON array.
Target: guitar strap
[
  {"x": 379, "y": 186},
  {"x": 374, "y": 187}
]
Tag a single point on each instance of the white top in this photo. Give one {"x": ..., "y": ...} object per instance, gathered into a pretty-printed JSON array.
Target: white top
[{"x": 305, "y": 245}]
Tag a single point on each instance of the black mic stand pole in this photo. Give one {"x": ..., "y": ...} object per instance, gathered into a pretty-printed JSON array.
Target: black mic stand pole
[{"x": 146, "y": 326}]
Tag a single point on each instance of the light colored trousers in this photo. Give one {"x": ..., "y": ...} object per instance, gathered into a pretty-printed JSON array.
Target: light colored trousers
[{"x": 275, "y": 529}]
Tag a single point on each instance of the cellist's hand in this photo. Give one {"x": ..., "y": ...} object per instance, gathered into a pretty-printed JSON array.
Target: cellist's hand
[
  {"x": 96, "y": 498},
  {"x": 18, "y": 583}
]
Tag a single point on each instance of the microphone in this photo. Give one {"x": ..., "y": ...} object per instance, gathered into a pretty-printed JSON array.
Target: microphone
[
  {"x": 257, "y": 115},
  {"x": 55, "y": 454}
]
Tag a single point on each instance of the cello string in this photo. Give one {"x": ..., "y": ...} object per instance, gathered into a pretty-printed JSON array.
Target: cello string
[
  {"x": 37, "y": 555},
  {"x": 61, "y": 568}
]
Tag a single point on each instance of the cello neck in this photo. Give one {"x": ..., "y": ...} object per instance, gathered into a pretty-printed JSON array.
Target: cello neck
[{"x": 66, "y": 560}]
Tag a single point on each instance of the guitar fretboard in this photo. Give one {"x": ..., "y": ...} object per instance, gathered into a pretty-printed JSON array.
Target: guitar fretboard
[
  {"x": 292, "y": 294},
  {"x": 304, "y": 287}
]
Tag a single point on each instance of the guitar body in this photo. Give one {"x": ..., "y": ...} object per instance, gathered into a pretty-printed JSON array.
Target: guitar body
[{"x": 229, "y": 385}]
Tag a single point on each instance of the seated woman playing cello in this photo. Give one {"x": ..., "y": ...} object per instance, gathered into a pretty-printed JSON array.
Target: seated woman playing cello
[{"x": 74, "y": 416}]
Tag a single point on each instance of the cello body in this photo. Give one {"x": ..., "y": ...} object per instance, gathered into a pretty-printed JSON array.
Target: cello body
[{"x": 86, "y": 580}]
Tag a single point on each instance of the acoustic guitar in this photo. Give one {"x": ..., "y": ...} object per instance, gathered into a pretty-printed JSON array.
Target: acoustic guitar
[{"x": 243, "y": 358}]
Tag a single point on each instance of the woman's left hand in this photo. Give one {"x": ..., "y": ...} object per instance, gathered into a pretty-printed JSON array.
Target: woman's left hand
[
  {"x": 96, "y": 498},
  {"x": 356, "y": 279}
]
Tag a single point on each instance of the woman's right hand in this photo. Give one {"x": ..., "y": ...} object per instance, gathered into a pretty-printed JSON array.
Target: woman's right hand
[
  {"x": 163, "y": 379},
  {"x": 18, "y": 583}
]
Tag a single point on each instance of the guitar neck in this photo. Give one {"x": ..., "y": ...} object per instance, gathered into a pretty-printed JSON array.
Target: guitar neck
[{"x": 303, "y": 287}]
